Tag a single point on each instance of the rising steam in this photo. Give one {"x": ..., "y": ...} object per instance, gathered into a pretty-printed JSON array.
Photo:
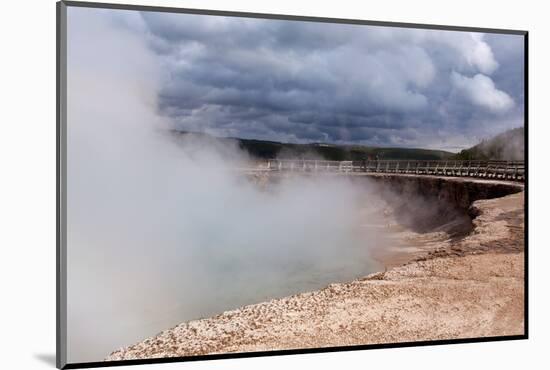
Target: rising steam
[{"x": 161, "y": 232}]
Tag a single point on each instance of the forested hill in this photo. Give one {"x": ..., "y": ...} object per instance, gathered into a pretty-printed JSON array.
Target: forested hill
[
  {"x": 510, "y": 146},
  {"x": 261, "y": 149}
]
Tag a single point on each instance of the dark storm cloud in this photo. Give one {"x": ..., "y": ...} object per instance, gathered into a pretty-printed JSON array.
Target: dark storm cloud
[{"x": 304, "y": 81}]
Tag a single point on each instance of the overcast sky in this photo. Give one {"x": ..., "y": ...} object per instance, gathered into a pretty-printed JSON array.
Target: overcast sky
[{"x": 316, "y": 82}]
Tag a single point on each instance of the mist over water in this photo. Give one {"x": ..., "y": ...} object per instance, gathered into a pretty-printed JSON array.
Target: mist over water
[{"x": 161, "y": 232}]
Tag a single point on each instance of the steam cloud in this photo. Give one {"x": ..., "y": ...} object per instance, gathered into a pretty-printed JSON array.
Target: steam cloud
[{"x": 162, "y": 232}]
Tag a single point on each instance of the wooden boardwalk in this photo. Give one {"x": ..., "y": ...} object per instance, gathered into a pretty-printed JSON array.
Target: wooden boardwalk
[{"x": 504, "y": 170}]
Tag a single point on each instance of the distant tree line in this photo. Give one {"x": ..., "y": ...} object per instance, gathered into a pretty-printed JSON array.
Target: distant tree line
[{"x": 510, "y": 145}]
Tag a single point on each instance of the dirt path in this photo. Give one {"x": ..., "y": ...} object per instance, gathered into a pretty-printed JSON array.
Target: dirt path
[{"x": 470, "y": 288}]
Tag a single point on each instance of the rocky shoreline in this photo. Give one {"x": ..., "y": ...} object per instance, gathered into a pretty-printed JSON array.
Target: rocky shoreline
[{"x": 466, "y": 288}]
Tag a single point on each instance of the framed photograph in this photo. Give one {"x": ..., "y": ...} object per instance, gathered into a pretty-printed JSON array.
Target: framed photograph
[{"x": 234, "y": 184}]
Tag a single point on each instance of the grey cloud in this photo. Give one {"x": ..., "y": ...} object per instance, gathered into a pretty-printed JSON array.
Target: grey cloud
[
  {"x": 304, "y": 81},
  {"x": 481, "y": 91}
]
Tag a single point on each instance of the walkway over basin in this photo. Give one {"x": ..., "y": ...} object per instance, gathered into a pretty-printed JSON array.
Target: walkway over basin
[{"x": 504, "y": 170}]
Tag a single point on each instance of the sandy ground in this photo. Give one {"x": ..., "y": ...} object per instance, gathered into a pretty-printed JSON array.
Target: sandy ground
[{"x": 473, "y": 287}]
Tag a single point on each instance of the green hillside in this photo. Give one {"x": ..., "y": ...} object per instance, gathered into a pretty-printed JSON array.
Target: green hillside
[
  {"x": 261, "y": 149},
  {"x": 510, "y": 146}
]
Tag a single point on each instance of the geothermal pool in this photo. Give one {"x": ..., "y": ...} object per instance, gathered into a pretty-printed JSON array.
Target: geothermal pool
[{"x": 220, "y": 248}]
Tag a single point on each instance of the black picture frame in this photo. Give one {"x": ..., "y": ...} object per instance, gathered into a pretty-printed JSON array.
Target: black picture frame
[{"x": 61, "y": 161}]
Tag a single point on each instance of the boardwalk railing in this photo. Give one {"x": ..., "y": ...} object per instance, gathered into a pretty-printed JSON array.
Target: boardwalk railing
[{"x": 506, "y": 170}]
